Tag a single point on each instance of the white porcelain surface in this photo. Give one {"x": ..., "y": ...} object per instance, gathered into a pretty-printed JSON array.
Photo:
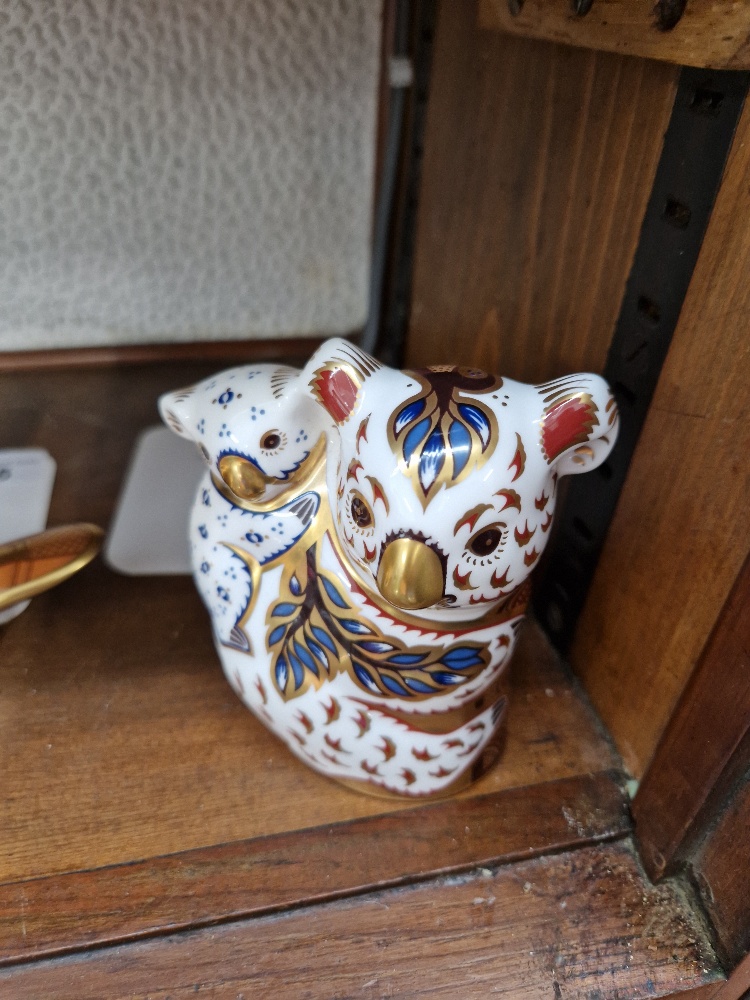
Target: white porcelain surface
[{"x": 367, "y": 596}]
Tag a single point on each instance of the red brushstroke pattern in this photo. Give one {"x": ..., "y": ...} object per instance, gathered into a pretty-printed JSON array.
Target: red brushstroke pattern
[
  {"x": 338, "y": 393},
  {"x": 567, "y": 424},
  {"x": 511, "y": 498}
]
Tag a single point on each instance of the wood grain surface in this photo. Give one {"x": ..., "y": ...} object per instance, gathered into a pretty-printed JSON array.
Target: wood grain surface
[
  {"x": 738, "y": 985},
  {"x": 716, "y": 35},
  {"x": 538, "y": 164},
  {"x": 222, "y": 353},
  {"x": 577, "y": 925},
  {"x": 680, "y": 534},
  {"x": 706, "y": 730},
  {"x": 122, "y": 740},
  {"x": 722, "y": 870},
  {"x": 196, "y": 888}
]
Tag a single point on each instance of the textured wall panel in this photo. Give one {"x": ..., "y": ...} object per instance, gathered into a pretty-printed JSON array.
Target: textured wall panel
[{"x": 184, "y": 169}]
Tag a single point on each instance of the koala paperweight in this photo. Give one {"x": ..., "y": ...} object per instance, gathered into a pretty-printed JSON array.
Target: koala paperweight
[{"x": 363, "y": 540}]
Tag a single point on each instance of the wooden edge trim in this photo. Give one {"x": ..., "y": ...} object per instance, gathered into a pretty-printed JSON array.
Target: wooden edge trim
[
  {"x": 710, "y": 723},
  {"x": 138, "y": 354},
  {"x": 737, "y": 986},
  {"x": 64, "y": 913},
  {"x": 708, "y": 992},
  {"x": 712, "y": 36}
]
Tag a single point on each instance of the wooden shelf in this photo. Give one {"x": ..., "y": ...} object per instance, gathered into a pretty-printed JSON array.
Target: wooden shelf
[
  {"x": 527, "y": 932},
  {"x": 139, "y": 797},
  {"x": 709, "y": 34}
]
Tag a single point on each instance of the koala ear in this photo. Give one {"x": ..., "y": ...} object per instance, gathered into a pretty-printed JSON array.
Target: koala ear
[
  {"x": 175, "y": 409},
  {"x": 579, "y": 423},
  {"x": 335, "y": 375}
]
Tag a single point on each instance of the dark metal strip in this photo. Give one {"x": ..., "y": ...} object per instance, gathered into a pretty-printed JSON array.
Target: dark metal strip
[
  {"x": 696, "y": 145},
  {"x": 397, "y": 296}
]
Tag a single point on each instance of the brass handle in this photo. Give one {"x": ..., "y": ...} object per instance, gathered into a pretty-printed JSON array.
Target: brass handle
[{"x": 29, "y": 566}]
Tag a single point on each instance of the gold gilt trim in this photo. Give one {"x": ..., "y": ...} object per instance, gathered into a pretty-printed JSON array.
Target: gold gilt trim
[
  {"x": 29, "y": 566},
  {"x": 328, "y": 618},
  {"x": 503, "y": 611},
  {"x": 459, "y": 396},
  {"x": 442, "y": 723},
  {"x": 295, "y": 564},
  {"x": 322, "y": 525},
  {"x": 256, "y": 572},
  {"x": 300, "y": 482}
]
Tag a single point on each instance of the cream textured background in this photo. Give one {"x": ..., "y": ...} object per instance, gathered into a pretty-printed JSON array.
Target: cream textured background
[{"x": 174, "y": 170}]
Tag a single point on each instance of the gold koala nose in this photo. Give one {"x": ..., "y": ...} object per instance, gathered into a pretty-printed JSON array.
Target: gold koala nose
[
  {"x": 410, "y": 575},
  {"x": 241, "y": 476}
]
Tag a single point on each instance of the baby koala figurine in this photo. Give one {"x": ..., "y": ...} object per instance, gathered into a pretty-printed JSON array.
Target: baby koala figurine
[
  {"x": 363, "y": 540},
  {"x": 255, "y": 431}
]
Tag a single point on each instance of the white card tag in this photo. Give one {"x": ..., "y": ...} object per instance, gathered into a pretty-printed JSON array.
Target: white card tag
[
  {"x": 149, "y": 533},
  {"x": 27, "y": 476},
  {"x": 26, "y": 479}
]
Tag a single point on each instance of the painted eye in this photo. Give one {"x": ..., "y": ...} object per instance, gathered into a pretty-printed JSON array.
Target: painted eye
[
  {"x": 270, "y": 441},
  {"x": 361, "y": 513},
  {"x": 485, "y": 542}
]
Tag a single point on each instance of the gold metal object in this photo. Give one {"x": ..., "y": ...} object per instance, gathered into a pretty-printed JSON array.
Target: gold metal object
[
  {"x": 298, "y": 482},
  {"x": 29, "y": 566},
  {"x": 242, "y": 477},
  {"x": 410, "y": 575}
]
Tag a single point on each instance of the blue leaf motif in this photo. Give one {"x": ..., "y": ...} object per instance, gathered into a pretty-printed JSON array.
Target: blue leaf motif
[
  {"x": 419, "y": 686},
  {"x": 365, "y": 678},
  {"x": 324, "y": 639},
  {"x": 308, "y": 661},
  {"x": 354, "y": 626},
  {"x": 415, "y": 437},
  {"x": 432, "y": 460},
  {"x": 407, "y": 415},
  {"x": 461, "y": 658},
  {"x": 393, "y": 685},
  {"x": 334, "y": 595},
  {"x": 284, "y": 609},
  {"x": 460, "y": 442},
  {"x": 298, "y": 670},
  {"x": 407, "y": 659},
  {"x": 377, "y": 647},
  {"x": 476, "y": 419},
  {"x": 318, "y": 653},
  {"x": 449, "y": 680},
  {"x": 278, "y": 633},
  {"x": 282, "y": 673}
]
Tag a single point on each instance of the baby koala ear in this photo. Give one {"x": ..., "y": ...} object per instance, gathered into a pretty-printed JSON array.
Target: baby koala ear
[
  {"x": 335, "y": 375},
  {"x": 579, "y": 423},
  {"x": 176, "y": 411}
]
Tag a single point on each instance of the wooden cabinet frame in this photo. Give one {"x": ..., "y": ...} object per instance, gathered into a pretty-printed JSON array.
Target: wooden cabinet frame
[{"x": 151, "y": 846}]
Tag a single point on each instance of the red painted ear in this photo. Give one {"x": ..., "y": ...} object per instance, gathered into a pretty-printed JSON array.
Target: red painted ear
[
  {"x": 566, "y": 424},
  {"x": 337, "y": 390},
  {"x": 578, "y": 424}
]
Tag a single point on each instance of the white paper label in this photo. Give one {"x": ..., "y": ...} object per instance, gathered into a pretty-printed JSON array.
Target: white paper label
[{"x": 27, "y": 476}]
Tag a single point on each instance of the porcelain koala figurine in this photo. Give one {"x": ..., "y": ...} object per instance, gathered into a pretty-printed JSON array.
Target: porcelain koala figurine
[
  {"x": 454, "y": 471},
  {"x": 363, "y": 540},
  {"x": 255, "y": 431}
]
